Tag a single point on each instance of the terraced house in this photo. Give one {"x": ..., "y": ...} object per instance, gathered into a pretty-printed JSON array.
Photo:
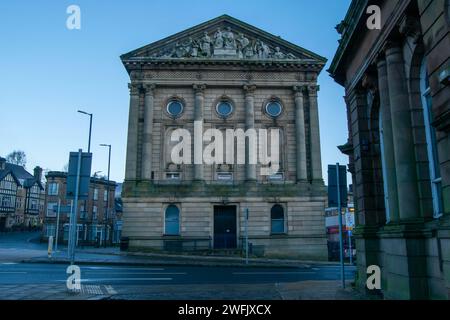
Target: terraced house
[
  {"x": 225, "y": 75},
  {"x": 398, "y": 105}
]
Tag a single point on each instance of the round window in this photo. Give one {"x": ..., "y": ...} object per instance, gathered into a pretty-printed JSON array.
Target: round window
[
  {"x": 274, "y": 109},
  {"x": 175, "y": 108},
  {"x": 224, "y": 109}
]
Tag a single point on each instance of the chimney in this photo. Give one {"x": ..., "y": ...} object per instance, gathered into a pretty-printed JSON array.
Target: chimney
[
  {"x": 2, "y": 163},
  {"x": 38, "y": 173}
]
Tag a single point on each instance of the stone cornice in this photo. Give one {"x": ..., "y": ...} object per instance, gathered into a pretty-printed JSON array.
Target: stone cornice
[
  {"x": 278, "y": 65},
  {"x": 392, "y": 22}
]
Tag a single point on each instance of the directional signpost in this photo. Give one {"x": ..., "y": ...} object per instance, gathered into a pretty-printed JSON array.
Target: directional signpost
[
  {"x": 77, "y": 189},
  {"x": 337, "y": 196}
]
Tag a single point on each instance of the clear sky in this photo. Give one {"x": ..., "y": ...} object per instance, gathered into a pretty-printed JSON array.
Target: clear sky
[{"x": 47, "y": 71}]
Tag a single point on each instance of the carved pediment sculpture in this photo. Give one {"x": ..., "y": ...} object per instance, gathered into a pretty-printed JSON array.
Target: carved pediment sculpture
[
  {"x": 223, "y": 44},
  {"x": 223, "y": 38}
]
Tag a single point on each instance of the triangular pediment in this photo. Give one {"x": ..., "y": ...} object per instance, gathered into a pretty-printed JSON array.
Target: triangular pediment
[{"x": 223, "y": 38}]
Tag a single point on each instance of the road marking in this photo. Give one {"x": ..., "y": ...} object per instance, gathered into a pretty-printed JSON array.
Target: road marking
[
  {"x": 91, "y": 289},
  {"x": 110, "y": 290},
  {"x": 8, "y": 263},
  {"x": 136, "y": 273},
  {"x": 272, "y": 273},
  {"x": 122, "y": 268},
  {"x": 126, "y": 279}
]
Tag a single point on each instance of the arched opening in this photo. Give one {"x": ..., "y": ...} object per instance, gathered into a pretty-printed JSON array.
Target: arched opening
[
  {"x": 172, "y": 221},
  {"x": 277, "y": 219}
]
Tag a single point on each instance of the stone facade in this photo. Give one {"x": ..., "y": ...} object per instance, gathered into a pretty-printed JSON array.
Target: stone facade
[
  {"x": 224, "y": 60},
  {"x": 397, "y": 96}
]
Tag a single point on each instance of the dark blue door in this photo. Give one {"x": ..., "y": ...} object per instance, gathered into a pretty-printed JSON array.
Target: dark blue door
[{"x": 225, "y": 227}]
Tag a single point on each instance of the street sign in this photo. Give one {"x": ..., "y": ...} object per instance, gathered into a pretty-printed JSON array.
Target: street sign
[
  {"x": 85, "y": 175},
  {"x": 332, "y": 186}
]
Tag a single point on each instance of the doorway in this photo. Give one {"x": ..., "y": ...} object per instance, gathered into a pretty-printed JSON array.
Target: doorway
[{"x": 225, "y": 227}]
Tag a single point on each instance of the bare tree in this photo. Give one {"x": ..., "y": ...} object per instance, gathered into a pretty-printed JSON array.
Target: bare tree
[{"x": 17, "y": 157}]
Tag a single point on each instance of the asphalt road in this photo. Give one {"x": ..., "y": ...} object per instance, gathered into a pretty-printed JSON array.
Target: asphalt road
[
  {"x": 32, "y": 273},
  {"x": 48, "y": 281}
]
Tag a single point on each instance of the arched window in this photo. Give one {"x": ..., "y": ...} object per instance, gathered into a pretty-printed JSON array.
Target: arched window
[
  {"x": 435, "y": 175},
  {"x": 172, "y": 221},
  {"x": 277, "y": 219}
]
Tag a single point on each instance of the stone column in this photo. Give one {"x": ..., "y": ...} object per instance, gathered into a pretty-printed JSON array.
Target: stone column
[
  {"x": 131, "y": 165},
  {"x": 390, "y": 178},
  {"x": 198, "y": 117},
  {"x": 148, "y": 132},
  {"x": 250, "y": 169},
  {"x": 300, "y": 135},
  {"x": 316, "y": 159},
  {"x": 408, "y": 196}
]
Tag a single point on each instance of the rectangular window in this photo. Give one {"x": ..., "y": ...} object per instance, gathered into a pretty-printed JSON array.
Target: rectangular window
[
  {"x": 82, "y": 212},
  {"x": 105, "y": 195},
  {"x": 6, "y": 202},
  {"x": 95, "y": 194},
  {"x": 51, "y": 206},
  {"x": 94, "y": 212},
  {"x": 53, "y": 189},
  {"x": 173, "y": 176},
  {"x": 66, "y": 232}
]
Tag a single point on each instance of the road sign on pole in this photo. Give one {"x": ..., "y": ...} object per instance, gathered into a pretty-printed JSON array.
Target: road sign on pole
[
  {"x": 333, "y": 173},
  {"x": 84, "y": 175},
  {"x": 77, "y": 185},
  {"x": 337, "y": 195}
]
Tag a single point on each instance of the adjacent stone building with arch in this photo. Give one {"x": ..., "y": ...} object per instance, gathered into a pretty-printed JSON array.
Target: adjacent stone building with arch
[
  {"x": 397, "y": 95},
  {"x": 224, "y": 74}
]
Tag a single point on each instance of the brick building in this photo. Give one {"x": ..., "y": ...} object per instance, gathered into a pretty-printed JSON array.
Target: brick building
[
  {"x": 397, "y": 95},
  {"x": 91, "y": 215}
]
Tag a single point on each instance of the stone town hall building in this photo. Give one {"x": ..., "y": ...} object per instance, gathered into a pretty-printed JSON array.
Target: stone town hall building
[
  {"x": 398, "y": 106},
  {"x": 224, "y": 74}
]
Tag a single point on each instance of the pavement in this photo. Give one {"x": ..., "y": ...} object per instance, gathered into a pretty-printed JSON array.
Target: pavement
[{"x": 106, "y": 273}]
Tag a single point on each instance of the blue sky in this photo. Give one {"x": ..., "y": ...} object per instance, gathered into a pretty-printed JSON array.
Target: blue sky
[{"x": 48, "y": 72}]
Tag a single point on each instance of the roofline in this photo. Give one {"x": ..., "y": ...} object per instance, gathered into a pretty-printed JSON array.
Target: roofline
[
  {"x": 352, "y": 19},
  {"x": 7, "y": 171},
  {"x": 62, "y": 174},
  {"x": 225, "y": 17}
]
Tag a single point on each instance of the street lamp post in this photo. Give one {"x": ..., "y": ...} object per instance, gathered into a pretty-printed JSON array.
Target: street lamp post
[
  {"x": 90, "y": 127},
  {"x": 107, "y": 188}
]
